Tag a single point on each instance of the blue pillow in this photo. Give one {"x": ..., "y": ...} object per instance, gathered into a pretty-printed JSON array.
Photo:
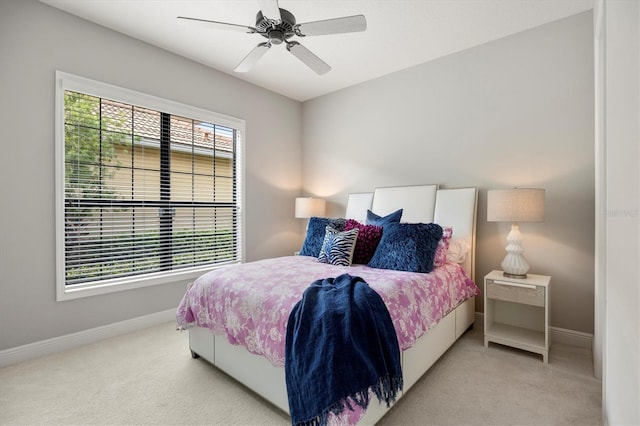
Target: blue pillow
[
  {"x": 407, "y": 247},
  {"x": 374, "y": 219},
  {"x": 315, "y": 234},
  {"x": 337, "y": 247}
]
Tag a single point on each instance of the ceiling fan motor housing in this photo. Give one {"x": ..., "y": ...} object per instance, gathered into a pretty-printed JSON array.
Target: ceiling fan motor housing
[{"x": 277, "y": 33}]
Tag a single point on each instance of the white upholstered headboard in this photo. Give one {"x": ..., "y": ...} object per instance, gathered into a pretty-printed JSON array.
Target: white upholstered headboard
[
  {"x": 358, "y": 204},
  {"x": 417, "y": 202},
  {"x": 425, "y": 203}
]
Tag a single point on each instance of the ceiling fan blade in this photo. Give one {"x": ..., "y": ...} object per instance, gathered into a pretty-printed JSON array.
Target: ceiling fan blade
[
  {"x": 249, "y": 61},
  {"x": 270, "y": 10},
  {"x": 347, "y": 24},
  {"x": 217, "y": 25},
  {"x": 309, "y": 59}
]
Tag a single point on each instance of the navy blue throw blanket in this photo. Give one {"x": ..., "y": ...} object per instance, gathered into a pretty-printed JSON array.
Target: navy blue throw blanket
[{"x": 340, "y": 344}]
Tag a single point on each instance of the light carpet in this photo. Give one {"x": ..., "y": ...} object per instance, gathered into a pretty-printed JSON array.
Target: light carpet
[{"x": 149, "y": 378}]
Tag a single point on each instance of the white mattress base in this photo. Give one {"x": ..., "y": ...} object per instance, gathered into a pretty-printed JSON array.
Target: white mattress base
[{"x": 268, "y": 381}]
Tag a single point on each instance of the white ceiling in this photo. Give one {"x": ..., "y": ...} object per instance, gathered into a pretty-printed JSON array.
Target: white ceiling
[{"x": 400, "y": 33}]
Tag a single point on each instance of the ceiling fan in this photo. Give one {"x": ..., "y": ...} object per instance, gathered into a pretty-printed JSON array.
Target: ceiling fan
[{"x": 279, "y": 26}]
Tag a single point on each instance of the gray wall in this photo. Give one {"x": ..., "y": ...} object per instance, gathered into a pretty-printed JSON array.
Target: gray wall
[
  {"x": 36, "y": 40},
  {"x": 514, "y": 112}
]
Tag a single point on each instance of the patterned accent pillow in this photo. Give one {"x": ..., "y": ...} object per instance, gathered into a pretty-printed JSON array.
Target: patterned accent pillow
[
  {"x": 440, "y": 257},
  {"x": 374, "y": 219},
  {"x": 407, "y": 247},
  {"x": 337, "y": 247},
  {"x": 367, "y": 242},
  {"x": 315, "y": 234}
]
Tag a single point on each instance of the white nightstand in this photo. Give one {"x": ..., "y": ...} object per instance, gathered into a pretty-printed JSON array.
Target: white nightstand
[{"x": 516, "y": 312}]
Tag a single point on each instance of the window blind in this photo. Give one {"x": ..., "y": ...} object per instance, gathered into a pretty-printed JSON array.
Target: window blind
[{"x": 145, "y": 191}]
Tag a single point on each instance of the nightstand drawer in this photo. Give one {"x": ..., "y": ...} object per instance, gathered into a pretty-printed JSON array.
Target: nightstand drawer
[{"x": 513, "y": 292}]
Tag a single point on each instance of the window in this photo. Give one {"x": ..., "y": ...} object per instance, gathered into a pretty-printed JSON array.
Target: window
[{"x": 148, "y": 190}]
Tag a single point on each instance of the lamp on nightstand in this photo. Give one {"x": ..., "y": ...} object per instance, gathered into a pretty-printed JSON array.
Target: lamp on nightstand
[
  {"x": 515, "y": 205},
  {"x": 307, "y": 207}
]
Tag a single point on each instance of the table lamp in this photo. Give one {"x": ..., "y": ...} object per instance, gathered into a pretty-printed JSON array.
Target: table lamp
[
  {"x": 307, "y": 207},
  {"x": 515, "y": 205}
]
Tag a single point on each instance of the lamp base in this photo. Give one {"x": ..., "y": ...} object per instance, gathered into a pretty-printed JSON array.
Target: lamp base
[
  {"x": 520, "y": 276},
  {"x": 514, "y": 265}
]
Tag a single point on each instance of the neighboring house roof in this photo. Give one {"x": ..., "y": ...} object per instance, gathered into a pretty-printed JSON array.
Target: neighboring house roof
[{"x": 184, "y": 131}]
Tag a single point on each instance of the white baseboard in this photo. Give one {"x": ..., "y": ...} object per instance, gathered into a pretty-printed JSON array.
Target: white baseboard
[
  {"x": 570, "y": 337},
  {"x": 85, "y": 337},
  {"x": 558, "y": 335}
]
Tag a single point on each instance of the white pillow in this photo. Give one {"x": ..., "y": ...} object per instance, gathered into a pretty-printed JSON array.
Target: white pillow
[{"x": 458, "y": 250}]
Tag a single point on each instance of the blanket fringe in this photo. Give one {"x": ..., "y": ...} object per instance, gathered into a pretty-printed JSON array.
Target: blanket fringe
[{"x": 386, "y": 389}]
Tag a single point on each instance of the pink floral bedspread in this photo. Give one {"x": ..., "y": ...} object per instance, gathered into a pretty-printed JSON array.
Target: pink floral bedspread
[{"x": 250, "y": 303}]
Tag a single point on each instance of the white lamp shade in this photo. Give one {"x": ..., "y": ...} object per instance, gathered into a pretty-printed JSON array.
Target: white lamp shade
[
  {"x": 515, "y": 205},
  {"x": 307, "y": 207}
]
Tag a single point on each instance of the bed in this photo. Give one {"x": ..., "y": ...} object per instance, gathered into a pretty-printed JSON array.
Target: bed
[{"x": 256, "y": 358}]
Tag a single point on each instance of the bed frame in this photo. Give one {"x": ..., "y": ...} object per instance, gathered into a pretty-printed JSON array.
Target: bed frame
[{"x": 420, "y": 203}]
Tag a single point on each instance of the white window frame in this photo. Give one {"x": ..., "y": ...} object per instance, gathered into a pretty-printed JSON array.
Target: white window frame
[{"x": 66, "y": 81}]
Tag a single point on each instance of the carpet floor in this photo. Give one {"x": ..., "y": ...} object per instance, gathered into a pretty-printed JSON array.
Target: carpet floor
[{"x": 149, "y": 378}]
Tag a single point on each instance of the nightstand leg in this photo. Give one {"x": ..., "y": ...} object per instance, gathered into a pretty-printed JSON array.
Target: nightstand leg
[
  {"x": 545, "y": 357},
  {"x": 486, "y": 342}
]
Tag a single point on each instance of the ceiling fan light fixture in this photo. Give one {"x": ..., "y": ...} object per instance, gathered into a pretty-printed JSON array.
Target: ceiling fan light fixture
[{"x": 276, "y": 36}]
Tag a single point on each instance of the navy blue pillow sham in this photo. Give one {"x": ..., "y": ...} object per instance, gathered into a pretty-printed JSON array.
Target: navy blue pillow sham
[
  {"x": 407, "y": 247},
  {"x": 374, "y": 219},
  {"x": 315, "y": 234}
]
